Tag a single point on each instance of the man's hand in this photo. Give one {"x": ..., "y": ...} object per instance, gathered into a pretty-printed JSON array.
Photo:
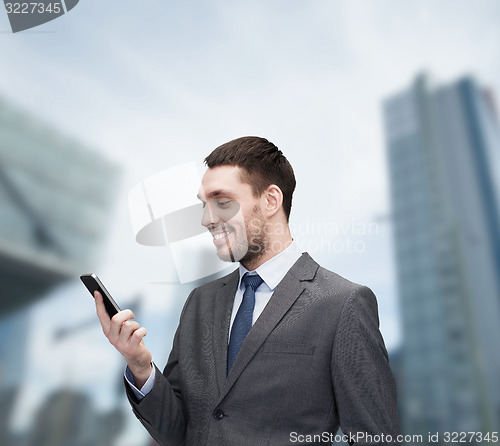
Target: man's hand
[{"x": 126, "y": 336}]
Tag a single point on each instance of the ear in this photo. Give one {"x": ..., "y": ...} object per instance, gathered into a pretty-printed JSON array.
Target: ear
[{"x": 272, "y": 200}]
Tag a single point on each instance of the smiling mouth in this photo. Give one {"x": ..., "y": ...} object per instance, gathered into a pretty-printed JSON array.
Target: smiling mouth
[{"x": 220, "y": 237}]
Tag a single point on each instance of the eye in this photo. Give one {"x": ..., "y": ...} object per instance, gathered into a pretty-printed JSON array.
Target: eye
[{"x": 223, "y": 204}]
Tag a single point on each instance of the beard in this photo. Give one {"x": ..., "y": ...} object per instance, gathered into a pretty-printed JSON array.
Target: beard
[{"x": 250, "y": 240}]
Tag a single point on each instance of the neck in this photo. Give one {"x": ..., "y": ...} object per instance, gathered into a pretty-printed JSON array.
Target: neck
[{"x": 276, "y": 243}]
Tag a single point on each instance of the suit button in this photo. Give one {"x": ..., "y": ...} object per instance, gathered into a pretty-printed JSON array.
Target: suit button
[{"x": 218, "y": 414}]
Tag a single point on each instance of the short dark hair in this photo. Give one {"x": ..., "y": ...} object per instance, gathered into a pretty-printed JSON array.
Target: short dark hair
[{"x": 262, "y": 164}]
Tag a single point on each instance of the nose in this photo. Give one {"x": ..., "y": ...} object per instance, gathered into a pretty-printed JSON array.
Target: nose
[{"x": 209, "y": 217}]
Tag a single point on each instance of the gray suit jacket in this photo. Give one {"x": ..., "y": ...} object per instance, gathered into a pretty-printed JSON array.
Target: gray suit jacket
[{"x": 313, "y": 360}]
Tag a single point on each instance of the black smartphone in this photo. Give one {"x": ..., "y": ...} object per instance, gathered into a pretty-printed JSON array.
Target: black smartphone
[{"x": 92, "y": 282}]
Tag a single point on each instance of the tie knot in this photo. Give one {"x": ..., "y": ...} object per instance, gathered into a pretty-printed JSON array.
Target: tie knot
[{"x": 253, "y": 281}]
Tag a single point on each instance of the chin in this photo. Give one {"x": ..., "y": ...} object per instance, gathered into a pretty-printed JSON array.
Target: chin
[
  {"x": 225, "y": 257},
  {"x": 228, "y": 254}
]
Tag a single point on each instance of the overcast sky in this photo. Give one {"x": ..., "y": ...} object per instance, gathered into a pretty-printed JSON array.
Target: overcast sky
[{"x": 153, "y": 84}]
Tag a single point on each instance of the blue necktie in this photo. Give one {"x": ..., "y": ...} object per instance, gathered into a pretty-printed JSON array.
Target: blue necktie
[{"x": 243, "y": 320}]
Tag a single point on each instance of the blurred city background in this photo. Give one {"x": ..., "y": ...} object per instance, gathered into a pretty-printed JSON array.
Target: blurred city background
[{"x": 388, "y": 112}]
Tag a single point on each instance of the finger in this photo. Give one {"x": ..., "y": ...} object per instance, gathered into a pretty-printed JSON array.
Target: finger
[
  {"x": 102, "y": 314},
  {"x": 116, "y": 324},
  {"x": 128, "y": 328},
  {"x": 137, "y": 336}
]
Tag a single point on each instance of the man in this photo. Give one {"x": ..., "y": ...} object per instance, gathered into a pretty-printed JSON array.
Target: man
[{"x": 281, "y": 351}]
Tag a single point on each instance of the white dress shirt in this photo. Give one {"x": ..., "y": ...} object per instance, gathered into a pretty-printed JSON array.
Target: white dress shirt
[{"x": 272, "y": 273}]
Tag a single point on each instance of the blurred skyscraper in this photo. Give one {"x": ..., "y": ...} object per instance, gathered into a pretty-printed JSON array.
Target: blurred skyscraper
[
  {"x": 55, "y": 201},
  {"x": 443, "y": 146},
  {"x": 55, "y": 197},
  {"x": 69, "y": 419}
]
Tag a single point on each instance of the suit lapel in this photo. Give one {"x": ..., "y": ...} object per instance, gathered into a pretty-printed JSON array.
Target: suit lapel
[
  {"x": 285, "y": 294},
  {"x": 222, "y": 318}
]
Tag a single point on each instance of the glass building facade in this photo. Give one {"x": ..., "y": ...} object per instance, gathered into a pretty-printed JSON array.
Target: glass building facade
[
  {"x": 55, "y": 197},
  {"x": 443, "y": 145},
  {"x": 55, "y": 202}
]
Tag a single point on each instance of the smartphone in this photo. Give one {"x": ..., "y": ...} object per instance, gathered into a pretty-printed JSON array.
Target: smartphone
[{"x": 92, "y": 282}]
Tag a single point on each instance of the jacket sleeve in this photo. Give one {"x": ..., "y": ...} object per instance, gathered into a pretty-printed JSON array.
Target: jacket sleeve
[
  {"x": 162, "y": 410},
  {"x": 364, "y": 386}
]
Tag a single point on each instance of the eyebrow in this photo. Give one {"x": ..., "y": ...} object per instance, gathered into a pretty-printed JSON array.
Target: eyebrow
[{"x": 215, "y": 193}]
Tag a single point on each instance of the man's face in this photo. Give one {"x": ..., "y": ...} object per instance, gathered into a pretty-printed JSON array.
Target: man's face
[{"x": 232, "y": 215}]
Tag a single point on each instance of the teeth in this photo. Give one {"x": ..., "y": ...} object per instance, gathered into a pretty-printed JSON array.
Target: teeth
[{"x": 220, "y": 235}]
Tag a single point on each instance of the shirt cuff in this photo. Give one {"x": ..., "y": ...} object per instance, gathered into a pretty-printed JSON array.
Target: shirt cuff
[{"x": 145, "y": 389}]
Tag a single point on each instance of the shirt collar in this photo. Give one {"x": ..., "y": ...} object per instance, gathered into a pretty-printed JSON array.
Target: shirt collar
[{"x": 273, "y": 271}]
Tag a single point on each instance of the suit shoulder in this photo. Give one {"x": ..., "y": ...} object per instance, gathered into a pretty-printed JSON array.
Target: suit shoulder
[
  {"x": 322, "y": 282},
  {"x": 339, "y": 282},
  {"x": 202, "y": 296},
  {"x": 333, "y": 289},
  {"x": 332, "y": 285},
  {"x": 217, "y": 283}
]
